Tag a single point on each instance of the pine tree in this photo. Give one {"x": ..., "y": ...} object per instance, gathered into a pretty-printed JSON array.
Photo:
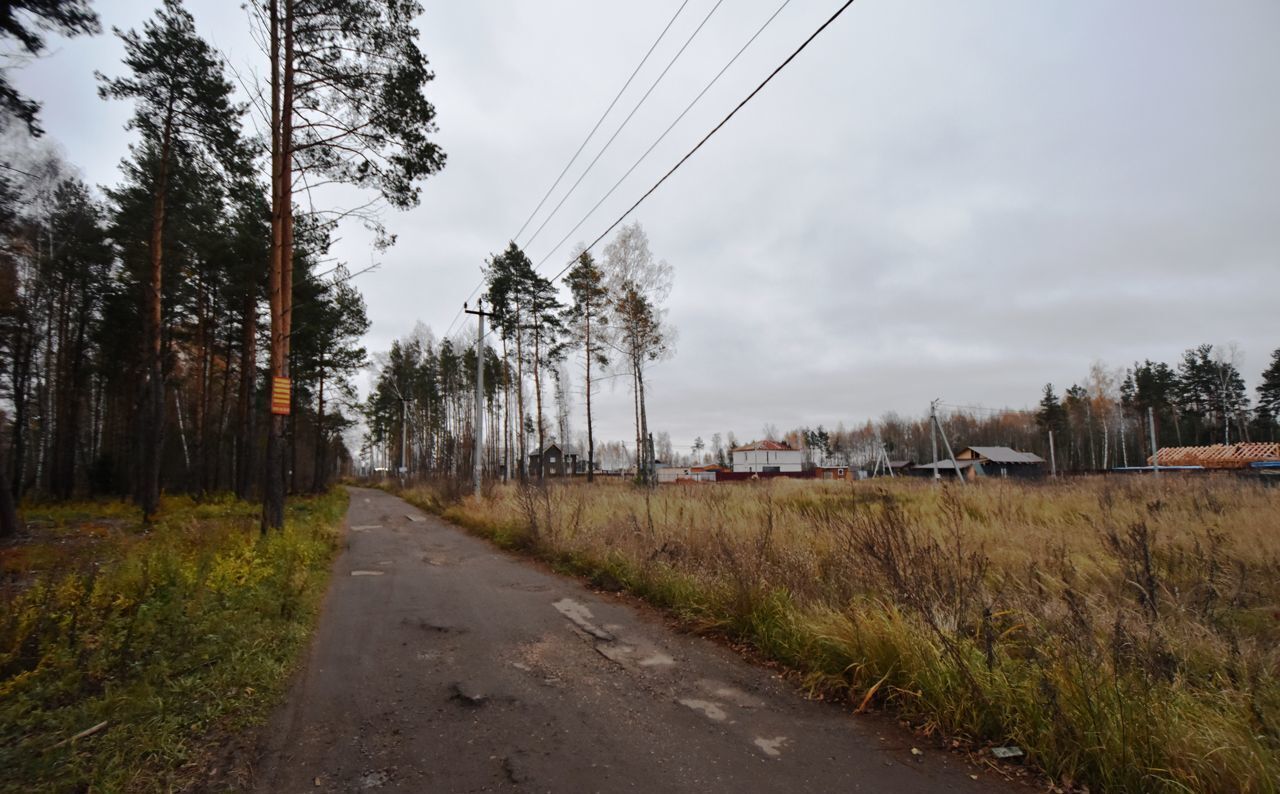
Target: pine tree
[
  {"x": 184, "y": 113},
  {"x": 346, "y": 80},
  {"x": 588, "y": 320},
  {"x": 1268, "y": 413}
]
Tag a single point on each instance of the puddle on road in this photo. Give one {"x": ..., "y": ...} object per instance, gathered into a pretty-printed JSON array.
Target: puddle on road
[
  {"x": 772, "y": 747},
  {"x": 708, "y": 709},
  {"x": 367, "y": 573},
  {"x": 366, "y": 527},
  {"x": 415, "y": 519},
  {"x": 658, "y": 659}
]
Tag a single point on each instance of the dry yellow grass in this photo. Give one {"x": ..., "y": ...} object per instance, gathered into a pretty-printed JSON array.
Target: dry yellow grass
[{"x": 1124, "y": 632}]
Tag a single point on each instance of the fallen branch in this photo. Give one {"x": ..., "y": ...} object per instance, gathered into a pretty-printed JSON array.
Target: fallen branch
[{"x": 82, "y": 734}]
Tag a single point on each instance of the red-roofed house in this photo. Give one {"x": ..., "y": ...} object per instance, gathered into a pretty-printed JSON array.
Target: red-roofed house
[{"x": 767, "y": 456}]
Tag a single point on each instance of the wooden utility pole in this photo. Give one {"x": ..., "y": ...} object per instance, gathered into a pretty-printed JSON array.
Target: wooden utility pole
[
  {"x": 1053, "y": 460},
  {"x": 955, "y": 466},
  {"x": 1155, "y": 450},
  {"x": 933, "y": 437},
  {"x": 478, "y": 452}
]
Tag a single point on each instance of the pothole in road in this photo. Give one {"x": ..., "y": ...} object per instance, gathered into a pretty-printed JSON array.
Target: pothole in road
[
  {"x": 465, "y": 695},
  {"x": 427, "y": 625},
  {"x": 527, "y": 587},
  {"x": 375, "y": 779}
]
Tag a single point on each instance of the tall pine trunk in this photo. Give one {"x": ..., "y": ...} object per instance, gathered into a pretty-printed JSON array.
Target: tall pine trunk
[
  {"x": 591, "y": 443},
  {"x": 151, "y": 436},
  {"x": 245, "y": 413},
  {"x": 281, "y": 275},
  {"x": 319, "y": 479},
  {"x": 520, "y": 434},
  {"x": 537, "y": 396}
]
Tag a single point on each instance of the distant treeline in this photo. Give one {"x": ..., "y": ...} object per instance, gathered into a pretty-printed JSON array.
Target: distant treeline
[{"x": 1099, "y": 423}]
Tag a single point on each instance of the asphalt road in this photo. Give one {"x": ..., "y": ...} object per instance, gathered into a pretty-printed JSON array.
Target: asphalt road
[{"x": 443, "y": 664}]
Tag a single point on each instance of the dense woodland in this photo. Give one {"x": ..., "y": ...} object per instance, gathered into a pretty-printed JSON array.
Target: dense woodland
[
  {"x": 141, "y": 322},
  {"x": 608, "y": 322},
  {"x": 1099, "y": 423}
]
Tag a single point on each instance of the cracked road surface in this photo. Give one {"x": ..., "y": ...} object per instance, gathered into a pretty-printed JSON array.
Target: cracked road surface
[{"x": 443, "y": 664}]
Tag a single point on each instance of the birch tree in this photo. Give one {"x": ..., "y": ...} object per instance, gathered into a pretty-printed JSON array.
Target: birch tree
[{"x": 638, "y": 285}]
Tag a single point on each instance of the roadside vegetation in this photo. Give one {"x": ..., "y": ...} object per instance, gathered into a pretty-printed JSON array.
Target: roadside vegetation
[
  {"x": 1124, "y": 633},
  {"x": 150, "y": 643}
]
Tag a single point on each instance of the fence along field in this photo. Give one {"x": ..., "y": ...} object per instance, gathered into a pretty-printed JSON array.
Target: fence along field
[{"x": 1124, "y": 633}]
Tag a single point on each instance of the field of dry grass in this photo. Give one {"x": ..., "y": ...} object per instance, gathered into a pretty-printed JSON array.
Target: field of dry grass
[{"x": 1123, "y": 632}]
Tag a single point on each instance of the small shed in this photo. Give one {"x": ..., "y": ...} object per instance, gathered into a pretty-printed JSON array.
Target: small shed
[
  {"x": 973, "y": 462},
  {"x": 945, "y": 468},
  {"x": 1003, "y": 462}
]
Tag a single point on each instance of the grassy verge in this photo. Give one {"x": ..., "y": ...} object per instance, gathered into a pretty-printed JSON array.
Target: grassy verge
[
  {"x": 1125, "y": 634},
  {"x": 172, "y": 636}
]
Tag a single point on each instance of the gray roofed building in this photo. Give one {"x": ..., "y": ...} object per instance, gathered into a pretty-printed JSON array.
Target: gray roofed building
[
  {"x": 999, "y": 455},
  {"x": 972, "y": 462}
]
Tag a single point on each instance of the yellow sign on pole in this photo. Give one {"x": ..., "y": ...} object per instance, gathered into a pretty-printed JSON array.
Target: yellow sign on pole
[{"x": 280, "y": 396}]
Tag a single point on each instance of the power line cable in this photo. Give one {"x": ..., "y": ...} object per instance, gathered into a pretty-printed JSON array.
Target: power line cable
[
  {"x": 665, "y": 132},
  {"x": 8, "y": 167},
  {"x": 600, "y": 120},
  {"x": 714, "y": 130},
  {"x": 985, "y": 409},
  {"x": 591, "y": 134},
  {"x": 777, "y": 70},
  {"x": 621, "y": 126}
]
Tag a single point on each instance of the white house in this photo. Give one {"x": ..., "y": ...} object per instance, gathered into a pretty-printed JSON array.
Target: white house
[{"x": 767, "y": 456}]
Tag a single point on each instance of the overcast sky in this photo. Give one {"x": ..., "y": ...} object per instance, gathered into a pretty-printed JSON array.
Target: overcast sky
[{"x": 935, "y": 199}]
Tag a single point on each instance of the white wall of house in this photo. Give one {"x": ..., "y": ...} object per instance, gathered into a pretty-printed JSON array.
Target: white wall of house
[
  {"x": 671, "y": 474},
  {"x": 760, "y": 460}
]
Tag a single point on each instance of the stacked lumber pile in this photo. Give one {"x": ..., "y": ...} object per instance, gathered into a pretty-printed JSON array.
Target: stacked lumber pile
[{"x": 1218, "y": 456}]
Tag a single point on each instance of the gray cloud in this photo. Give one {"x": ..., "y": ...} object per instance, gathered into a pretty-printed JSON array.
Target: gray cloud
[{"x": 936, "y": 199}]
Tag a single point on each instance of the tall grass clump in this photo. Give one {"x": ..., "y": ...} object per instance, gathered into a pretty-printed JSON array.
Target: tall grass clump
[
  {"x": 171, "y": 635},
  {"x": 1124, "y": 633}
]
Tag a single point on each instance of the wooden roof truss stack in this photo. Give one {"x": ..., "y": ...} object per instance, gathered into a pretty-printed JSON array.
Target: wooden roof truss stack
[{"x": 1219, "y": 456}]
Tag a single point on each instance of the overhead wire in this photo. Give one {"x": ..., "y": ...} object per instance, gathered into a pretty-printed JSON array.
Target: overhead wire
[
  {"x": 624, "y": 123},
  {"x": 583, "y": 145},
  {"x": 776, "y": 71},
  {"x": 713, "y": 131},
  {"x": 665, "y": 132},
  {"x": 600, "y": 120}
]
